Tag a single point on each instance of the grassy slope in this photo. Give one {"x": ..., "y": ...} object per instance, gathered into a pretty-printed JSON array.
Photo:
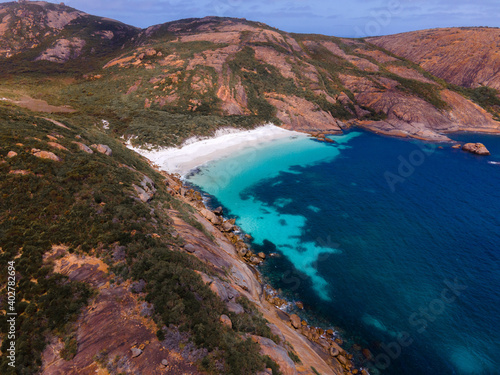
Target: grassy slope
[{"x": 94, "y": 194}]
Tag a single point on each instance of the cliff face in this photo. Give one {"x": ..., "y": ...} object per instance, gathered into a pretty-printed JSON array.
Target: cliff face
[{"x": 468, "y": 57}]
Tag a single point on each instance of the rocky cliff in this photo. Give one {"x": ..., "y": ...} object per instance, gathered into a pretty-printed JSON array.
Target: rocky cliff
[{"x": 465, "y": 56}]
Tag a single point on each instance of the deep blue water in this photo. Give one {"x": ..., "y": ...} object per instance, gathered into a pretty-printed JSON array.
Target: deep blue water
[{"x": 394, "y": 242}]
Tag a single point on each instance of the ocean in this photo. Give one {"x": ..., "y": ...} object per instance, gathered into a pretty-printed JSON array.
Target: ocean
[{"x": 393, "y": 242}]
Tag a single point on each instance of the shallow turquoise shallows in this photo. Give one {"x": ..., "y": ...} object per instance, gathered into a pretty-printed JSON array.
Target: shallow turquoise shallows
[{"x": 394, "y": 242}]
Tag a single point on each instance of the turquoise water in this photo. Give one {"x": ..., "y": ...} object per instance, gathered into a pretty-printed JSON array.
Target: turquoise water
[{"x": 393, "y": 241}]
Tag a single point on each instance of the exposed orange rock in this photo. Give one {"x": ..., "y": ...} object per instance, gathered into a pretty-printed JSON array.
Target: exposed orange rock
[{"x": 464, "y": 56}]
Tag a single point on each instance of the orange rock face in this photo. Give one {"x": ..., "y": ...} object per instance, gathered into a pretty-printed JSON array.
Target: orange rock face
[{"x": 464, "y": 56}]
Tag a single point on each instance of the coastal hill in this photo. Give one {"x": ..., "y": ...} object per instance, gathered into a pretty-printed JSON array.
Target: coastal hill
[
  {"x": 168, "y": 82},
  {"x": 466, "y": 56},
  {"x": 119, "y": 267}
]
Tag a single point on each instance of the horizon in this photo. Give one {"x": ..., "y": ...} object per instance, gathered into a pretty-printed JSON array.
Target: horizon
[{"x": 352, "y": 20}]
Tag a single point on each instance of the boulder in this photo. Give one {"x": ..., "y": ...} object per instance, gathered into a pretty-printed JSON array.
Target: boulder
[
  {"x": 45, "y": 155},
  {"x": 261, "y": 255},
  {"x": 83, "y": 147},
  {"x": 227, "y": 226},
  {"x": 57, "y": 145},
  {"x": 367, "y": 354},
  {"x": 210, "y": 216},
  {"x": 190, "y": 248},
  {"x": 11, "y": 154},
  {"x": 143, "y": 195},
  {"x": 224, "y": 319},
  {"x": 334, "y": 351},
  {"x": 296, "y": 322},
  {"x": 336, "y": 348},
  {"x": 235, "y": 307},
  {"x": 476, "y": 148},
  {"x": 218, "y": 211},
  {"x": 104, "y": 149},
  {"x": 457, "y": 146},
  {"x": 255, "y": 260},
  {"x": 343, "y": 360},
  {"x": 136, "y": 352}
]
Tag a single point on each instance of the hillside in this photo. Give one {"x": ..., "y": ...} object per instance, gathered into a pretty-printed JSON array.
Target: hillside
[
  {"x": 467, "y": 56},
  {"x": 161, "y": 85}
]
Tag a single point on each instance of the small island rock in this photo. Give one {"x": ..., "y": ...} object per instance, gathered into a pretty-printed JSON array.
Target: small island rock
[{"x": 476, "y": 148}]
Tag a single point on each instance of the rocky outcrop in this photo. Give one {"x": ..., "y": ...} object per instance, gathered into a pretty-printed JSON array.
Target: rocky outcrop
[
  {"x": 147, "y": 189},
  {"x": 301, "y": 115},
  {"x": 476, "y": 148},
  {"x": 63, "y": 50},
  {"x": 277, "y": 353},
  {"x": 465, "y": 56},
  {"x": 83, "y": 147},
  {"x": 103, "y": 149},
  {"x": 45, "y": 155}
]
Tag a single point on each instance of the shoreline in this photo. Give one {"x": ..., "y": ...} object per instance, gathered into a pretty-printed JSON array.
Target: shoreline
[
  {"x": 196, "y": 152},
  {"x": 324, "y": 342}
]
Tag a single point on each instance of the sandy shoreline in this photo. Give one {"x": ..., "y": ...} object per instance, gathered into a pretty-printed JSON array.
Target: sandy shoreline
[{"x": 195, "y": 153}]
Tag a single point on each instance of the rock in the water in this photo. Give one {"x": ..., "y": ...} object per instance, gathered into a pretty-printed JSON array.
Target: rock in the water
[
  {"x": 227, "y": 226},
  {"x": 457, "y": 146},
  {"x": 261, "y": 255},
  {"x": 104, "y": 149},
  {"x": 136, "y": 352},
  {"x": 476, "y": 148},
  {"x": 84, "y": 147},
  {"x": 45, "y": 155},
  {"x": 334, "y": 352},
  {"x": 224, "y": 319},
  {"x": 255, "y": 260},
  {"x": 367, "y": 354},
  {"x": 296, "y": 322},
  {"x": 218, "y": 211}
]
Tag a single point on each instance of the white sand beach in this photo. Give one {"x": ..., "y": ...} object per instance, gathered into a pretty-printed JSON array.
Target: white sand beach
[{"x": 195, "y": 152}]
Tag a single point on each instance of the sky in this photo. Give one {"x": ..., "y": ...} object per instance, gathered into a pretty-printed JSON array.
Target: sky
[{"x": 354, "y": 18}]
